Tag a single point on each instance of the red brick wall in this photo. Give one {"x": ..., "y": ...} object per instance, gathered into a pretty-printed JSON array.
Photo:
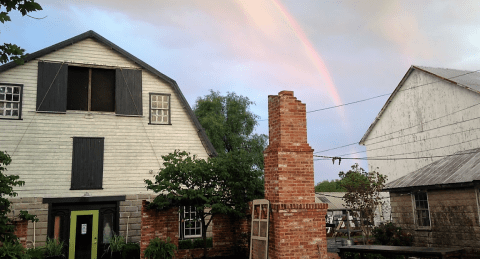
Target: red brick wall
[
  {"x": 298, "y": 231},
  {"x": 227, "y": 232},
  {"x": 21, "y": 228},
  {"x": 289, "y": 176},
  {"x": 454, "y": 219}
]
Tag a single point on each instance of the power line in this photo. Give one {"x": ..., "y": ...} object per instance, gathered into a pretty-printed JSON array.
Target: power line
[
  {"x": 380, "y": 158},
  {"x": 409, "y": 142},
  {"x": 400, "y": 130}
]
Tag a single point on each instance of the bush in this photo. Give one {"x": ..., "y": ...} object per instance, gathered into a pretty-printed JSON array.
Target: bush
[
  {"x": 158, "y": 249},
  {"x": 194, "y": 243},
  {"x": 53, "y": 247},
  {"x": 131, "y": 251},
  {"x": 36, "y": 253},
  {"x": 12, "y": 250},
  {"x": 391, "y": 235}
]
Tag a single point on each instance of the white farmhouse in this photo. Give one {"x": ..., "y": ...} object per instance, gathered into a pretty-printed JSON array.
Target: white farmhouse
[
  {"x": 433, "y": 112},
  {"x": 85, "y": 123}
]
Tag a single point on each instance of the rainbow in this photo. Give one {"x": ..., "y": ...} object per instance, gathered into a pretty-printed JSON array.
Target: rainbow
[{"x": 312, "y": 54}]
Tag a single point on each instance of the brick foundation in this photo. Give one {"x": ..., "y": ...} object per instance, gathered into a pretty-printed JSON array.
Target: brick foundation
[
  {"x": 21, "y": 228},
  {"x": 297, "y": 223}
]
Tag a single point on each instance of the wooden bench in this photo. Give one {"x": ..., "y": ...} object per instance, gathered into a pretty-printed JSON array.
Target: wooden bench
[{"x": 402, "y": 250}]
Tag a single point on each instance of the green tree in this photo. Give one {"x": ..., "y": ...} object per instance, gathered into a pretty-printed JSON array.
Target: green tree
[
  {"x": 363, "y": 194},
  {"x": 229, "y": 125},
  {"x": 329, "y": 186},
  {"x": 8, "y": 51},
  {"x": 187, "y": 180}
]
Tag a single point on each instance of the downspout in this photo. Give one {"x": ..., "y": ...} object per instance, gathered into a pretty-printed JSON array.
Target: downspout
[
  {"x": 34, "y": 234},
  {"x": 128, "y": 220}
]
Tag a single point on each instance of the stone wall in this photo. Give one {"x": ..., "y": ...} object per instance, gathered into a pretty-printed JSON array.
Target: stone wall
[
  {"x": 454, "y": 219},
  {"x": 130, "y": 213}
]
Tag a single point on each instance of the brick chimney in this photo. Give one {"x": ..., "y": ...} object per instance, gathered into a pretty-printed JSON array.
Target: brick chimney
[
  {"x": 288, "y": 157},
  {"x": 297, "y": 223}
]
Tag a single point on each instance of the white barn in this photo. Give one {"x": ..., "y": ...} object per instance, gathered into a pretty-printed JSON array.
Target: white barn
[
  {"x": 85, "y": 123},
  {"x": 433, "y": 112}
]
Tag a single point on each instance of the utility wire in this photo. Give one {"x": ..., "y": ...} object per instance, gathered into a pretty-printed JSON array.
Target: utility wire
[
  {"x": 400, "y": 130},
  {"x": 409, "y": 142},
  {"x": 380, "y": 158}
]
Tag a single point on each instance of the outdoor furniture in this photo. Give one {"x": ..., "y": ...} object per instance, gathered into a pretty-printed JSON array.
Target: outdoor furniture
[{"x": 402, "y": 250}]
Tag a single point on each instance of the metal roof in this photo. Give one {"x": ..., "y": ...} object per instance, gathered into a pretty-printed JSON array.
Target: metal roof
[
  {"x": 333, "y": 199},
  {"x": 467, "y": 79},
  {"x": 461, "y": 167},
  {"x": 91, "y": 34}
]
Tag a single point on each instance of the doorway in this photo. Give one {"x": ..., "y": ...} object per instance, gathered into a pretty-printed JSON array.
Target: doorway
[{"x": 83, "y": 234}]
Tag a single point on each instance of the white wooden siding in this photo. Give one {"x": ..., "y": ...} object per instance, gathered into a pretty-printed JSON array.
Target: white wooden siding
[
  {"x": 43, "y": 141},
  {"x": 419, "y": 106}
]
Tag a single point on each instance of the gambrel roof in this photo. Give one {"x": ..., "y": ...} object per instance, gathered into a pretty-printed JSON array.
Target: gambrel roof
[
  {"x": 93, "y": 35},
  {"x": 467, "y": 79},
  {"x": 461, "y": 168}
]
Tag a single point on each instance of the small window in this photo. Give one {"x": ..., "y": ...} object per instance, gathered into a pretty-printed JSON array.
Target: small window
[
  {"x": 159, "y": 109},
  {"x": 422, "y": 213},
  {"x": 190, "y": 224},
  {"x": 10, "y": 101},
  {"x": 87, "y": 163}
]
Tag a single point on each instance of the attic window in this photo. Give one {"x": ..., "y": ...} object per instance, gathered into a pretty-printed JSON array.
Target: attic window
[
  {"x": 91, "y": 89},
  {"x": 10, "y": 101}
]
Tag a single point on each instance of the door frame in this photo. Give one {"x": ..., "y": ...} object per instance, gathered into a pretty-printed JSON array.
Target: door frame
[{"x": 73, "y": 230}]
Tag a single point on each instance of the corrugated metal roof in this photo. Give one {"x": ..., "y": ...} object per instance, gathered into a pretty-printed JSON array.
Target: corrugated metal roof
[
  {"x": 461, "y": 167},
  {"x": 333, "y": 199},
  {"x": 463, "y": 78}
]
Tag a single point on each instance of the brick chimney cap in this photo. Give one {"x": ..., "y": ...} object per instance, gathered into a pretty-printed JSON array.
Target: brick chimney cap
[{"x": 285, "y": 92}]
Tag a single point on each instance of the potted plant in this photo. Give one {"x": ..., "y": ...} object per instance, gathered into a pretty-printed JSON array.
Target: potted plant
[
  {"x": 54, "y": 249},
  {"x": 117, "y": 243},
  {"x": 158, "y": 249}
]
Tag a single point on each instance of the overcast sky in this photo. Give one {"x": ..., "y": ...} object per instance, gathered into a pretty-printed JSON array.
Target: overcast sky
[{"x": 327, "y": 52}]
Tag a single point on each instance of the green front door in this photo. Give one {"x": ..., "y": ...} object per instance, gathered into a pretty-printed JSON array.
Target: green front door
[{"x": 83, "y": 234}]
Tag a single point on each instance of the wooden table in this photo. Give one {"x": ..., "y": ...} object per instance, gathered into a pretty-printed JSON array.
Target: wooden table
[{"x": 402, "y": 250}]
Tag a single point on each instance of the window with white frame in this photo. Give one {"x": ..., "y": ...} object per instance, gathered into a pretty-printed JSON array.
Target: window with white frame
[
  {"x": 422, "y": 213},
  {"x": 190, "y": 224},
  {"x": 159, "y": 108},
  {"x": 10, "y": 101}
]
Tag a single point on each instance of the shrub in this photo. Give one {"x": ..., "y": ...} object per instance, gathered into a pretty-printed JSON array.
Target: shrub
[
  {"x": 185, "y": 244},
  {"x": 12, "y": 250},
  {"x": 194, "y": 243},
  {"x": 131, "y": 251},
  {"x": 36, "y": 252},
  {"x": 53, "y": 247},
  {"x": 389, "y": 234},
  {"x": 158, "y": 249}
]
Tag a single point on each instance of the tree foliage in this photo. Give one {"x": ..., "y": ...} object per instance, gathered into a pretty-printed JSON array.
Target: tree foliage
[
  {"x": 229, "y": 125},
  {"x": 363, "y": 193},
  {"x": 329, "y": 186},
  {"x": 8, "y": 51}
]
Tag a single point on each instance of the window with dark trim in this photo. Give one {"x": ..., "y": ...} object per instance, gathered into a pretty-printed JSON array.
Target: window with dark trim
[
  {"x": 190, "y": 224},
  {"x": 422, "y": 213},
  {"x": 87, "y": 163},
  {"x": 10, "y": 101},
  {"x": 159, "y": 108},
  {"x": 62, "y": 87}
]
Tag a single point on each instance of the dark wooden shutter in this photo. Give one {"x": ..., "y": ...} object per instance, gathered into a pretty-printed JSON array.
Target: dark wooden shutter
[
  {"x": 87, "y": 163},
  {"x": 128, "y": 92},
  {"x": 52, "y": 87}
]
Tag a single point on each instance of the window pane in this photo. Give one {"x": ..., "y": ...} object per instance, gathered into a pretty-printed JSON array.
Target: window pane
[
  {"x": 56, "y": 227},
  {"x": 2, "y": 89},
  {"x": 107, "y": 228}
]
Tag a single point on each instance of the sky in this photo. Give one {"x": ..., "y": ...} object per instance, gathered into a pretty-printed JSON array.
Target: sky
[{"x": 327, "y": 52}]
